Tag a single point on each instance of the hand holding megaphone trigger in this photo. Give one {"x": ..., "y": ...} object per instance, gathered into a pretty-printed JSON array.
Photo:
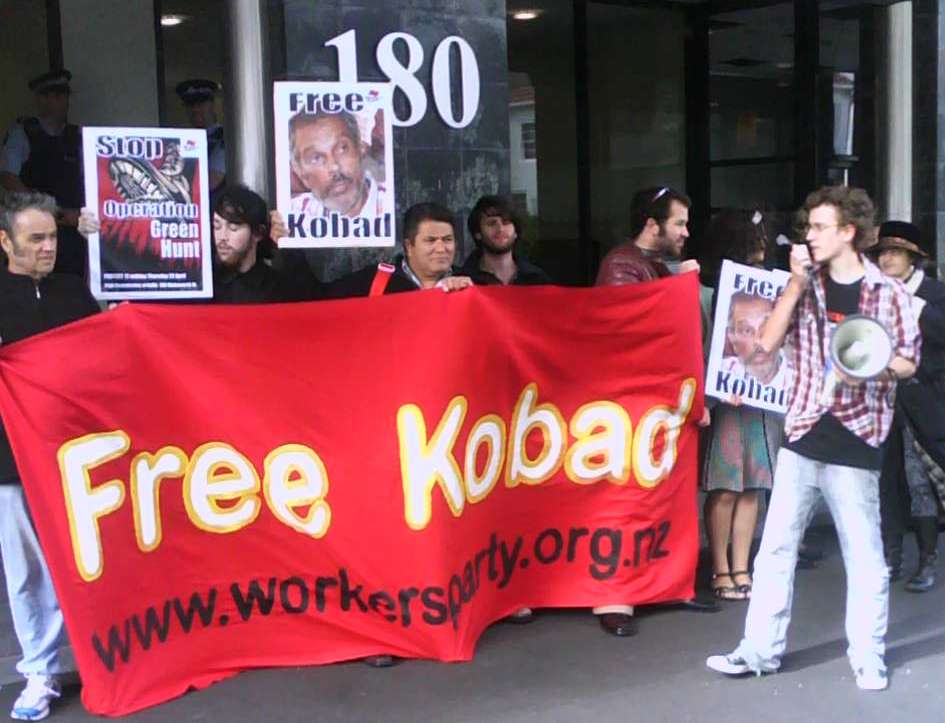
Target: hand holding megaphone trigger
[{"x": 802, "y": 267}]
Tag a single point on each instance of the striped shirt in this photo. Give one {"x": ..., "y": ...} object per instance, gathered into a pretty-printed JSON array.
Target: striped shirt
[{"x": 865, "y": 409}]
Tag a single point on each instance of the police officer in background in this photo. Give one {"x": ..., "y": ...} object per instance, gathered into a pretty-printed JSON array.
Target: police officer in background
[
  {"x": 44, "y": 153},
  {"x": 198, "y": 95}
]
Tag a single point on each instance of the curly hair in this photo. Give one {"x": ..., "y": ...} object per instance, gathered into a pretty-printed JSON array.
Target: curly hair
[
  {"x": 854, "y": 208},
  {"x": 735, "y": 234}
]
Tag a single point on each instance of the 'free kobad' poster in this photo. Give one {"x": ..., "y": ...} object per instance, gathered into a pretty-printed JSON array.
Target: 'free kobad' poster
[
  {"x": 738, "y": 367},
  {"x": 334, "y": 164},
  {"x": 149, "y": 189}
]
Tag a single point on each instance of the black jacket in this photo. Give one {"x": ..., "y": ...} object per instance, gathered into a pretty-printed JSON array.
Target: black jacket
[
  {"x": 28, "y": 308},
  {"x": 260, "y": 285},
  {"x": 932, "y": 325},
  {"x": 527, "y": 273},
  {"x": 921, "y": 400},
  {"x": 358, "y": 283}
]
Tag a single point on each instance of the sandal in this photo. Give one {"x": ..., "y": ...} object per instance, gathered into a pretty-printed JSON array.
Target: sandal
[
  {"x": 726, "y": 592},
  {"x": 744, "y": 588}
]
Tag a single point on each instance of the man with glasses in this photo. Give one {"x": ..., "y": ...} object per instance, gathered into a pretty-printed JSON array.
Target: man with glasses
[
  {"x": 659, "y": 220},
  {"x": 834, "y": 435}
]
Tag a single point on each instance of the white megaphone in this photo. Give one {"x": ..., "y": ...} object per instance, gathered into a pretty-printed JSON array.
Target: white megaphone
[{"x": 860, "y": 348}]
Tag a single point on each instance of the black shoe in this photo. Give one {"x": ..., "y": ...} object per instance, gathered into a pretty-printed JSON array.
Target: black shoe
[
  {"x": 619, "y": 624},
  {"x": 699, "y": 604},
  {"x": 926, "y": 533},
  {"x": 924, "y": 578},
  {"x": 381, "y": 661}
]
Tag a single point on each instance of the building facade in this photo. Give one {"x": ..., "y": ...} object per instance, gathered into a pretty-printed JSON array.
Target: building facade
[{"x": 566, "y": 105}]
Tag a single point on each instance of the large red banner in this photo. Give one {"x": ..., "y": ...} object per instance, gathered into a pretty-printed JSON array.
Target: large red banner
[{"x": 222, "y": 488}]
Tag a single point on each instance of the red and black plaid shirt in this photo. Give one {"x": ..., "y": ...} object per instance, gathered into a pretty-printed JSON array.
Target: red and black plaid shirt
[{"x": 865, "y": 409}]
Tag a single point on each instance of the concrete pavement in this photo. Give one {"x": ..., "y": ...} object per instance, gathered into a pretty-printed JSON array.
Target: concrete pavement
[{"x": 563, "y": 668}]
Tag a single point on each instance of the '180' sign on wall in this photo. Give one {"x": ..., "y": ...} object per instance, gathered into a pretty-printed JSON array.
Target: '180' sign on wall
[{"x": 404, "y": 76}]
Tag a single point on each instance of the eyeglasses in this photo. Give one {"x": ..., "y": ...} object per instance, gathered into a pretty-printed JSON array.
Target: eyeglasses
[{"x": 821, "y": 227}]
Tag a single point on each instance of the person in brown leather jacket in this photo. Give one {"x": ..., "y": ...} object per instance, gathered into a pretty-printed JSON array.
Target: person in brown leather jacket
[{"x": 659, "y": 220}]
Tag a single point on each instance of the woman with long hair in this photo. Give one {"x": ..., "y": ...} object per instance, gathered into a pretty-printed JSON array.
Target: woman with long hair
[{"x": 743, "y": 442}]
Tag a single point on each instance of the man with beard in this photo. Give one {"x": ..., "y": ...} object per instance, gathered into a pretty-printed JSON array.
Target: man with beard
[
  {"x": 241, "y": 240},
  {"x": 495, "y": 227},
  {"x": 747, "y": 315},
  {"x": 328, "y": 157},
  {"x": 32, "y": 300},
  {"x": 659, "y": 219}
]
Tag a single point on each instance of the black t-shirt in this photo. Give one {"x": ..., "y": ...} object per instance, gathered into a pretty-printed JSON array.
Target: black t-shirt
[{"x": 828, "y": 440}]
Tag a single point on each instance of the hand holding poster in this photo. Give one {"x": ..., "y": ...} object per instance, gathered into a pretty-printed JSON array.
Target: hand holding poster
[
  {"x": 334, "y": 164},
  {"x": 148, "y": 187},
  {"x": 737, "y": 366}
]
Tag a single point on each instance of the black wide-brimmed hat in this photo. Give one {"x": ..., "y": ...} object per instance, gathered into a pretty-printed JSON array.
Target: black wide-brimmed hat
[{"x": 900, "y": 235}]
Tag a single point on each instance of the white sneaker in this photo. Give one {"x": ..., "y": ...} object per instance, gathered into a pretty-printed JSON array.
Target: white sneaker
[
  {"x": 33, "y": 703},
  {"x": 730, "y": 664},
  {"x": 871, "y": 679},
  {"x": 734, "y": 664}
]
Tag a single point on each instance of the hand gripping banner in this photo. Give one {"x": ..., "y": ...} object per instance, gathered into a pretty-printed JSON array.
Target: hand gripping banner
[{"x": 223, "y": 488}]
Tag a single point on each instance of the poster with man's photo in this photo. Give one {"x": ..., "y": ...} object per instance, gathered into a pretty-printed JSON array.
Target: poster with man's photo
[
  {"x": 738, "y": 367},
  {"x": 149, "y": 189},
  {"x": 335, "y": 164}
]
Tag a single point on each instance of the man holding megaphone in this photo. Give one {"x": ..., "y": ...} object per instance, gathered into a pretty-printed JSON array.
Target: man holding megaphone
[{"x": 840, "y": 408}]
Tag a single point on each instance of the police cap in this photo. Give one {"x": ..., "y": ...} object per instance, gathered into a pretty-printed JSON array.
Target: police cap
[
  {"x": 197, "y": 90},
  {"x": 55, "y": 81}
]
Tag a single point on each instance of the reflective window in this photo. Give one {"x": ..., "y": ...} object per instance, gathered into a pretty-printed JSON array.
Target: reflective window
[
  {"x": 751, "y": 107},
  {"x": 543, "y": 132},
  {"x": 636, "y": 87}
]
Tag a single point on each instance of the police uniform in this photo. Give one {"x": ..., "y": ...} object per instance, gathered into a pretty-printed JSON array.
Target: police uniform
[
  {"x": 52, "y": 163},
  {"x": 200, "y": 90}
]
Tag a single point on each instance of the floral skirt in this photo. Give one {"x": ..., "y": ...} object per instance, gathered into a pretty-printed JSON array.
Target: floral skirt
[{"x": 742, "y": 449}]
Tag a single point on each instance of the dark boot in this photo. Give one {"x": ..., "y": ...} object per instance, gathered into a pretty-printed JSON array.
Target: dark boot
[
  {"x": 893, "y": 549},
  {"x": 926, "y": 532}
]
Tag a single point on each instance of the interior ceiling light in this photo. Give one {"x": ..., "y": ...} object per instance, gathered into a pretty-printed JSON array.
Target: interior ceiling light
[
  {"x": 169, "y": 21},
  {"x": 525, "y": 14}
]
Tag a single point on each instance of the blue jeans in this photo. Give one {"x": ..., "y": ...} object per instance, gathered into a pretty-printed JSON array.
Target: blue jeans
[
  {"x": 37, "y": 619},
  {"x": 852, "y": 496}
]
